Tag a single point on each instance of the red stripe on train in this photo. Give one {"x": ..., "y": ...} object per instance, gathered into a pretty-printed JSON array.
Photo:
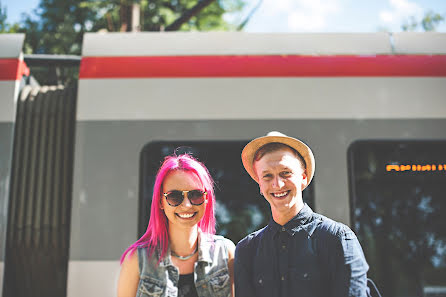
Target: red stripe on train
[
  {"x": 13, "y": 69},
  {"x": 262, "y": 66}
]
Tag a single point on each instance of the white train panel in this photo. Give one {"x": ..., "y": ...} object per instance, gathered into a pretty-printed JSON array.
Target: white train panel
[
  {"x": 261, "y": 98},
  {"x": 428, "y": 43},
  {"x": 12, "y": 68},
  {"x": 11, "y": 45},
  {"x": 92, "y": 278},
  {"x": 8, "y": 94},
  {"x": 233, "y": 43}
]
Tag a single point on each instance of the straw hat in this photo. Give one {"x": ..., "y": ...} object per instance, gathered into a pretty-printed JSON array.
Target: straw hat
[{"x": 251, "y": 148}]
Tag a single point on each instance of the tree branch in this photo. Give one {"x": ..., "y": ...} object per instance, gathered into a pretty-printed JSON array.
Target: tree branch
[
  {"x": 251, "y": 13},
  {"x": 188, "y": 15}
]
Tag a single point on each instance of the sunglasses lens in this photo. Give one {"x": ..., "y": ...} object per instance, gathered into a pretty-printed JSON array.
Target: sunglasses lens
[
  {"x": 175, "y": 198},
  {"x": 196, "y": 197}
]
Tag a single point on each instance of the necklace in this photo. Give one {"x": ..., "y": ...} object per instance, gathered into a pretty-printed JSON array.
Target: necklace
[{"x": 184, "y": 257}]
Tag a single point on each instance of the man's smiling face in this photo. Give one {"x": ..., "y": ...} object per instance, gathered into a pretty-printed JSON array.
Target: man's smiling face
[{"x": 281, "y": 179}]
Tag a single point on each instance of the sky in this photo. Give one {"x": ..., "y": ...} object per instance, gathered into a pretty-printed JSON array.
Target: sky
[{"x": 308, "y": 15}]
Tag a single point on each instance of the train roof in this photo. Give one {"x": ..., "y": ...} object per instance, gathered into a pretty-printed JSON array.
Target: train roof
[{"x": 240, "y": 43}]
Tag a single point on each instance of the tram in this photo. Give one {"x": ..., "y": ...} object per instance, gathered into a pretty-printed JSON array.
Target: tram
[{"x": 371, "y": 106}]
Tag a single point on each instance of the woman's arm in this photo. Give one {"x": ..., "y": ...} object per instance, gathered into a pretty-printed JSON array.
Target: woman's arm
[
  {"x": 129, "y": 276},
  {"x": 231, "y": 252}
]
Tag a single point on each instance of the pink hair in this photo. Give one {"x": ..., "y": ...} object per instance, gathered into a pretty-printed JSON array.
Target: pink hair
[{"x": 156, "y": 235}]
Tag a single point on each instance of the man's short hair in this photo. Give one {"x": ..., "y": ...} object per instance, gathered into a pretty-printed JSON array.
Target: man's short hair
[{"x": 277, "y": 146}]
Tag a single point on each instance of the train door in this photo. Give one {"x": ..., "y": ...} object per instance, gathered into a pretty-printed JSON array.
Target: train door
[{"x": 39, "y": 208}]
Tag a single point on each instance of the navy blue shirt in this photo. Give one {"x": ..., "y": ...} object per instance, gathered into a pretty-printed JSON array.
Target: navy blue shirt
[{"x": 311, "y": 255}]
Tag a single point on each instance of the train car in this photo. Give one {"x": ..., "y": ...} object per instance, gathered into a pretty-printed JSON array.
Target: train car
[
  {"x": 371, "y": 106},
  {"x": 12, "y": 69}
]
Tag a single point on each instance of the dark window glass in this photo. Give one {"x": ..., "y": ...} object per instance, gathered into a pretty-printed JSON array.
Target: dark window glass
[
  {"x": 240, "y": 209},
  {"x": 398, "y": 208}
]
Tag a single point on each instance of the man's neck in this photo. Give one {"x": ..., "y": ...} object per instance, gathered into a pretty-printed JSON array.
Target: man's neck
[{"x": 284, "y": 217}]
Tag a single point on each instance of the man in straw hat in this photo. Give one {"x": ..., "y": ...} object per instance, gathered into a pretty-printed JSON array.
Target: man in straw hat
[{"x": 299, "y": 253}]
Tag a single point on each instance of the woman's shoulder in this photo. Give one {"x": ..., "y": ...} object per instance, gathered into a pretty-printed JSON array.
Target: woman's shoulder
[
  {"x": 217, "y": 247},
  {"x": 147, "y": 257},
  {"x": 130, "y": 262},
  {"x": 129, "y": 275},
  {"x": 223, "y": 243},
  {"x": 219, "y": 239}
]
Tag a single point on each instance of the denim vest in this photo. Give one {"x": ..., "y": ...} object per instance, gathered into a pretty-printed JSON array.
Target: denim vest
[{"x": 211, "y": 272}]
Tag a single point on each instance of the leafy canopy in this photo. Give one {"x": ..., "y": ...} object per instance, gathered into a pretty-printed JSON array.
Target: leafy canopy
[{"x": 57, "y": 26}]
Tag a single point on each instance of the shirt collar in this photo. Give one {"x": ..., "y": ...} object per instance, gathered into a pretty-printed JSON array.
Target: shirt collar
[{"x": 296, "y": 224}]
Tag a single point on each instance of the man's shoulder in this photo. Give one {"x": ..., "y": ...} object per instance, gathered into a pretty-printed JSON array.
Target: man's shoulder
[
  {"x": 251, "y": 240},
  {"x": 330, "y": 227}
]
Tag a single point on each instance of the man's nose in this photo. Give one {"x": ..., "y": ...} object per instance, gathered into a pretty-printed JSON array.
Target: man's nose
[{"x": 278, "y": 182}]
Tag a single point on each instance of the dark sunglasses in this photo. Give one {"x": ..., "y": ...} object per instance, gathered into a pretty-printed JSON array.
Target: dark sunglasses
[{"x": 175, "y": 197}]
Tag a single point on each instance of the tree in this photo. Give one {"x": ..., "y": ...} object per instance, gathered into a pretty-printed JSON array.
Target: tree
[
  {"x": 163, "y": 15},
  {"x": 4, "y": 26},
  {"x": 60, "y": 24},
  {"x": 429, "y": 22}
]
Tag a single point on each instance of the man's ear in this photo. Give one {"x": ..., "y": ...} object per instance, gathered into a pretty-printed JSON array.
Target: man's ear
[{"x": 304, "y": 180}]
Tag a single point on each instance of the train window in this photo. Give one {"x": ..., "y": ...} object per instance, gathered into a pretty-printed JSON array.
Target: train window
[
  {"x": 398, "y": 209},
  {"x": 240, "y": 209}
]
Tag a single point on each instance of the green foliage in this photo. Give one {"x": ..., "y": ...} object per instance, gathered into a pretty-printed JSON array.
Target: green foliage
[
  {"x": 58, "y": 29},
  {"x": 4, "y": 26},
  {"x": 58, "y": 25},
  {"x": 429, "y": 22},
  {"x": 157, "y": 15},
  {"x": 410, "y": 24},
  {"x": 207, "y": 21},
  {"x": 2, "y": 19}
]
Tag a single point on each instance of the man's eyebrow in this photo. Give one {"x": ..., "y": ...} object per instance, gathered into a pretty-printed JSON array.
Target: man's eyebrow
[{"x": 281, "y": 168}]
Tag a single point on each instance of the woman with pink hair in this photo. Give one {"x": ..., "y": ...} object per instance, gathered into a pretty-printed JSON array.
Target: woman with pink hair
[{"x": 179, "y": 255}]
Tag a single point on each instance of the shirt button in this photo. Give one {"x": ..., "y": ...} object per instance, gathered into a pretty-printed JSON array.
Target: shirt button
[
  {"x": 283, "y": 229},
  {"x": 283, "y": 247},
  {"x": 260, "y": 281},
  {"x": 305, "y": 275},
  {"x": 282, "y": 278}
]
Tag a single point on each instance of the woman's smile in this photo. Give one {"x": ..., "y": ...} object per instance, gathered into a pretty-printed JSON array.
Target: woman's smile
[{"x": 186, "y": 215}]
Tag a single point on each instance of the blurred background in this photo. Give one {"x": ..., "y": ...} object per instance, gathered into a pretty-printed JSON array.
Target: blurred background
[{"x": 57, "y": 26}]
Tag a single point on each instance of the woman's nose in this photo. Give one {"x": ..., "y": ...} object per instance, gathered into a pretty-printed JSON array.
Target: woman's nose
[{"x": 186, "y": 202}]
